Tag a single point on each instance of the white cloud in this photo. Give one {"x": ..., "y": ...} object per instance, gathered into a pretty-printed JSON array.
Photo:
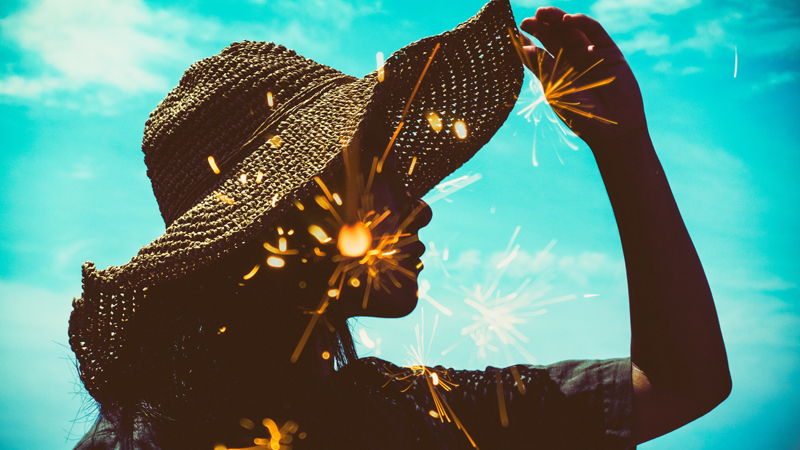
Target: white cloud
[
  {"x": 774, "y": 79},
  {"x": 337, "y": 13},
  {"x": 651, "y": 42},
  {"x": 83, "y": 43},
  {"x": 626, "y": 15},
  {"x": 591, "y": 265}
]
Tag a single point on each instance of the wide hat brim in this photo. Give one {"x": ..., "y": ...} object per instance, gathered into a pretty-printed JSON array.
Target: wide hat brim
[{"x": 475, "y": 77}]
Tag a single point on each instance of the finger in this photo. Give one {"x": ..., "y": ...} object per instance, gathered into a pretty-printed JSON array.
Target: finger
[
  {"x": 591, "y": 28},
  {"x": 544, "y": 33},
  {"x": 571, "y": 37}
]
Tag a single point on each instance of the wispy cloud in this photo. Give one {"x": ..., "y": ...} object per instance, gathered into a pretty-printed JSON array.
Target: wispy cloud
[
  {"x": 772, "y": 80},
  {"x": 94, "y": 43},
  {"x": 626, "y": 15},
  {"x": 337, "y": 13}
]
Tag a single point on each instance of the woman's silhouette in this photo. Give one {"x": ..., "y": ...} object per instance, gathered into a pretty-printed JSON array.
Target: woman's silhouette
[{"x": 222, "y": 354}]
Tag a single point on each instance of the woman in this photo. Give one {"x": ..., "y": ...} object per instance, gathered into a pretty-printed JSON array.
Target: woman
[{"x": 230, "y": 330}]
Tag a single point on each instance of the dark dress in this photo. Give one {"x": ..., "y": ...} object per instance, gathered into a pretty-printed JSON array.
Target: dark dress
[{"x": 567, "y": 405}]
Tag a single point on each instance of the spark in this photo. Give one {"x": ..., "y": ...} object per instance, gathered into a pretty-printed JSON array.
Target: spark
[
  {"x": 280, "y": 231},
  {"x": 501, "y": 399},
  {"x": 735, "y": 61},
  {"x": 434, "y": 121},
  {"x": 259, "y": 177},
  {"x": 362, "y": 333},
  {"x": 274, "y": 141},
  {"x": 498, "y": 313},
  {"x": 298, "y": 204},
  {"x": 590, "y": 295},
  {"x": 270, "y": 100},
  {"x": 437, "y": 379},
  {"x": 222, "y": 330},
  {"x": 424, "y": 287},
  {"x": 333, "y": 293},
  {"x": 461, "y": 129},
  {"x": 278, "y": 251},
  {"x": 337, "y": 199},
  {"x": 274, "y": 201},
  {"x": 380, "y": 60},
  {"x": 320, "y": 234},
  {"x": 274, "y": 261},
  {"x": 243, "y": 178},
  {"x": 213, "y": 164},
  {"x": 282, "y": 244},
  {"x": 326, "y": 355},
  {"x": 224, "y": 198},
  {"x": 252, "y": 272}
]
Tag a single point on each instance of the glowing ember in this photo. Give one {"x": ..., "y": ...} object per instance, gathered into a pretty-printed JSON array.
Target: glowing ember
[
  {"x": 435, "y": 378},
  {"x": 354, "y": 240},
  {"x": 433, "y": 414},
  {"x": 270, "y": 100},
  {"x": 252, "y": 272},
  {"x": 225, "y": 199},
  {"x": 380, "y": 60},
  {"x": 354, "y": 282},
  {"x": 434, "y": 120},
  {"x": 275, "y": 141},
  {"x": 337, "y": 199},
  {"x": 213, "y": 164},
  {"x": 461, "y": 129},
  {"x": 259, "y": 177},
  {"x": 333, "y": 292},
  {"x": 282, "y": 244},
  {"x": 274, "y": 261},
  {"x": 222, "y": 330},
  {"x": 326, "y": 355},
  {"x": 319, "y": 233}
]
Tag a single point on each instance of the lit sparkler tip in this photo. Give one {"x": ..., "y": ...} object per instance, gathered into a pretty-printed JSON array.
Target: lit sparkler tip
[
  {"x": 354, "y": 240},
  {"x": 213, "y": 164}
]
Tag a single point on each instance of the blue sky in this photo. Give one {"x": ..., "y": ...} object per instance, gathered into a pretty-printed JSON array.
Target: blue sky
[{"x": 78, "y": 79}]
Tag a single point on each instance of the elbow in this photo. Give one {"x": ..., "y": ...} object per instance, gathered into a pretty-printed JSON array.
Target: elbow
[{"x": 712, "y": 393}]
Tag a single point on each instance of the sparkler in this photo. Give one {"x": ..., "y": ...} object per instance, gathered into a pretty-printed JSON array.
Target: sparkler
[
  {"x": 554, "y": 87},
  {"x": 435, "y": 378},
  {"x": 497, "y": 314}
]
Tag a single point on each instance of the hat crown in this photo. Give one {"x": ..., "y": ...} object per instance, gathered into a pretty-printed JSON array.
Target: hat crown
[{"x": 215, "y": 109}]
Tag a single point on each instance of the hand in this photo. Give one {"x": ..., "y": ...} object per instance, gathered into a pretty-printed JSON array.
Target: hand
[{"x": 581, "y": 42}]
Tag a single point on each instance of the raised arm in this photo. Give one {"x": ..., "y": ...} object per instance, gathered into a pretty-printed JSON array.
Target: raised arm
[{"x": 680, "y": 367}]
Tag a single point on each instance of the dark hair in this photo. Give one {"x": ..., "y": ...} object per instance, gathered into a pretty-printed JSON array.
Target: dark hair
[{"x": 211, "y": 347}]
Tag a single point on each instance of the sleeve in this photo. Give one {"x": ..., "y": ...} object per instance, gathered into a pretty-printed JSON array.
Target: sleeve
[{"x": 567, "y": 405}]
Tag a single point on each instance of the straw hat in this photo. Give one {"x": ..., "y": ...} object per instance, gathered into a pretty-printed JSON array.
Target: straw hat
[{"x": 263, "y": 112}]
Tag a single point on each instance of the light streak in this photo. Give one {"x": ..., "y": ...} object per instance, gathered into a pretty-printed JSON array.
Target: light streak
[
  {"x": 501, "y": 399},
  {"x": 252, "y": 272},
  {"x": 278, "y": 251},
  {"x": 424, "y": 287},
  {"x": 461, "y": 129},
  {"x": 735, "y": 61},
  {"x": 213, "y": 164},
  {"x": 413, "y": 163},
  {"x": 590, "y": 295},
  {"x": 320, "y": 234},
  {"x": 270, "y": 100},
  {"x": 380, "y": 61},
  {"x": 405, "y": 110},
  {"x": 298, "y": 204},
  {"x": 274, "y": 261},
  {"x": 337, "y": 199},
  {"x": 447, "y": 188}
]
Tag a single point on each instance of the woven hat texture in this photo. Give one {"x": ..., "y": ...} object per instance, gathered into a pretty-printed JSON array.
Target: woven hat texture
[{"x": 220, "y": 105}]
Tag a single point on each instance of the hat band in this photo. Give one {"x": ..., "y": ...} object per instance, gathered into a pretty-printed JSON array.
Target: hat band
[{"x": 306, "y": 96}]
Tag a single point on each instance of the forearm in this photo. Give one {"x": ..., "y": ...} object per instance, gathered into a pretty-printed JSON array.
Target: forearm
[{"x": 676, "y": 339}]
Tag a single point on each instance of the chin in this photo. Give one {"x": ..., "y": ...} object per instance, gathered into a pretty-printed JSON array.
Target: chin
[{"x": 391, "y": 305}]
